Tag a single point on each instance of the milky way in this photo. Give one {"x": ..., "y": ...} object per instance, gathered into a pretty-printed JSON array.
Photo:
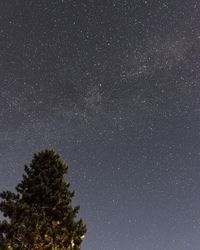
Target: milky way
[{"x": 114, "y": 87}]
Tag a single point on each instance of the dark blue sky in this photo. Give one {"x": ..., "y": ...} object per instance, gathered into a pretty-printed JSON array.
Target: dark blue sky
[{"x": 113, "y": 86}]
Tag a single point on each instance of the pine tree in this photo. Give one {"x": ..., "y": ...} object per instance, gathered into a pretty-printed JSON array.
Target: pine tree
[{"x": 40, "y": 214}]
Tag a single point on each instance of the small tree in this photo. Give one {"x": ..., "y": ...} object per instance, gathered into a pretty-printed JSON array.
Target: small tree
[{"x": 40, "y": 214}]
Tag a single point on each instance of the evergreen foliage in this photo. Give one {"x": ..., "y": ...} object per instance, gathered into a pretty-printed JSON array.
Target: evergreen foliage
[{"x": 40, "y": 214}]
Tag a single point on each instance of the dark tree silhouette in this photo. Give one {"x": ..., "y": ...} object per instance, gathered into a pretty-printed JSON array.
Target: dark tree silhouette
[{"x": 39, "y": 215}]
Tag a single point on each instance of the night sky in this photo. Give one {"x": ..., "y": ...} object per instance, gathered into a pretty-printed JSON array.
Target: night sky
[{"x": 114, "y": 87}]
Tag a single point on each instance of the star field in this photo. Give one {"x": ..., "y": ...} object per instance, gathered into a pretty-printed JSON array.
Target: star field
[{"x": 113, "y": 86}]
